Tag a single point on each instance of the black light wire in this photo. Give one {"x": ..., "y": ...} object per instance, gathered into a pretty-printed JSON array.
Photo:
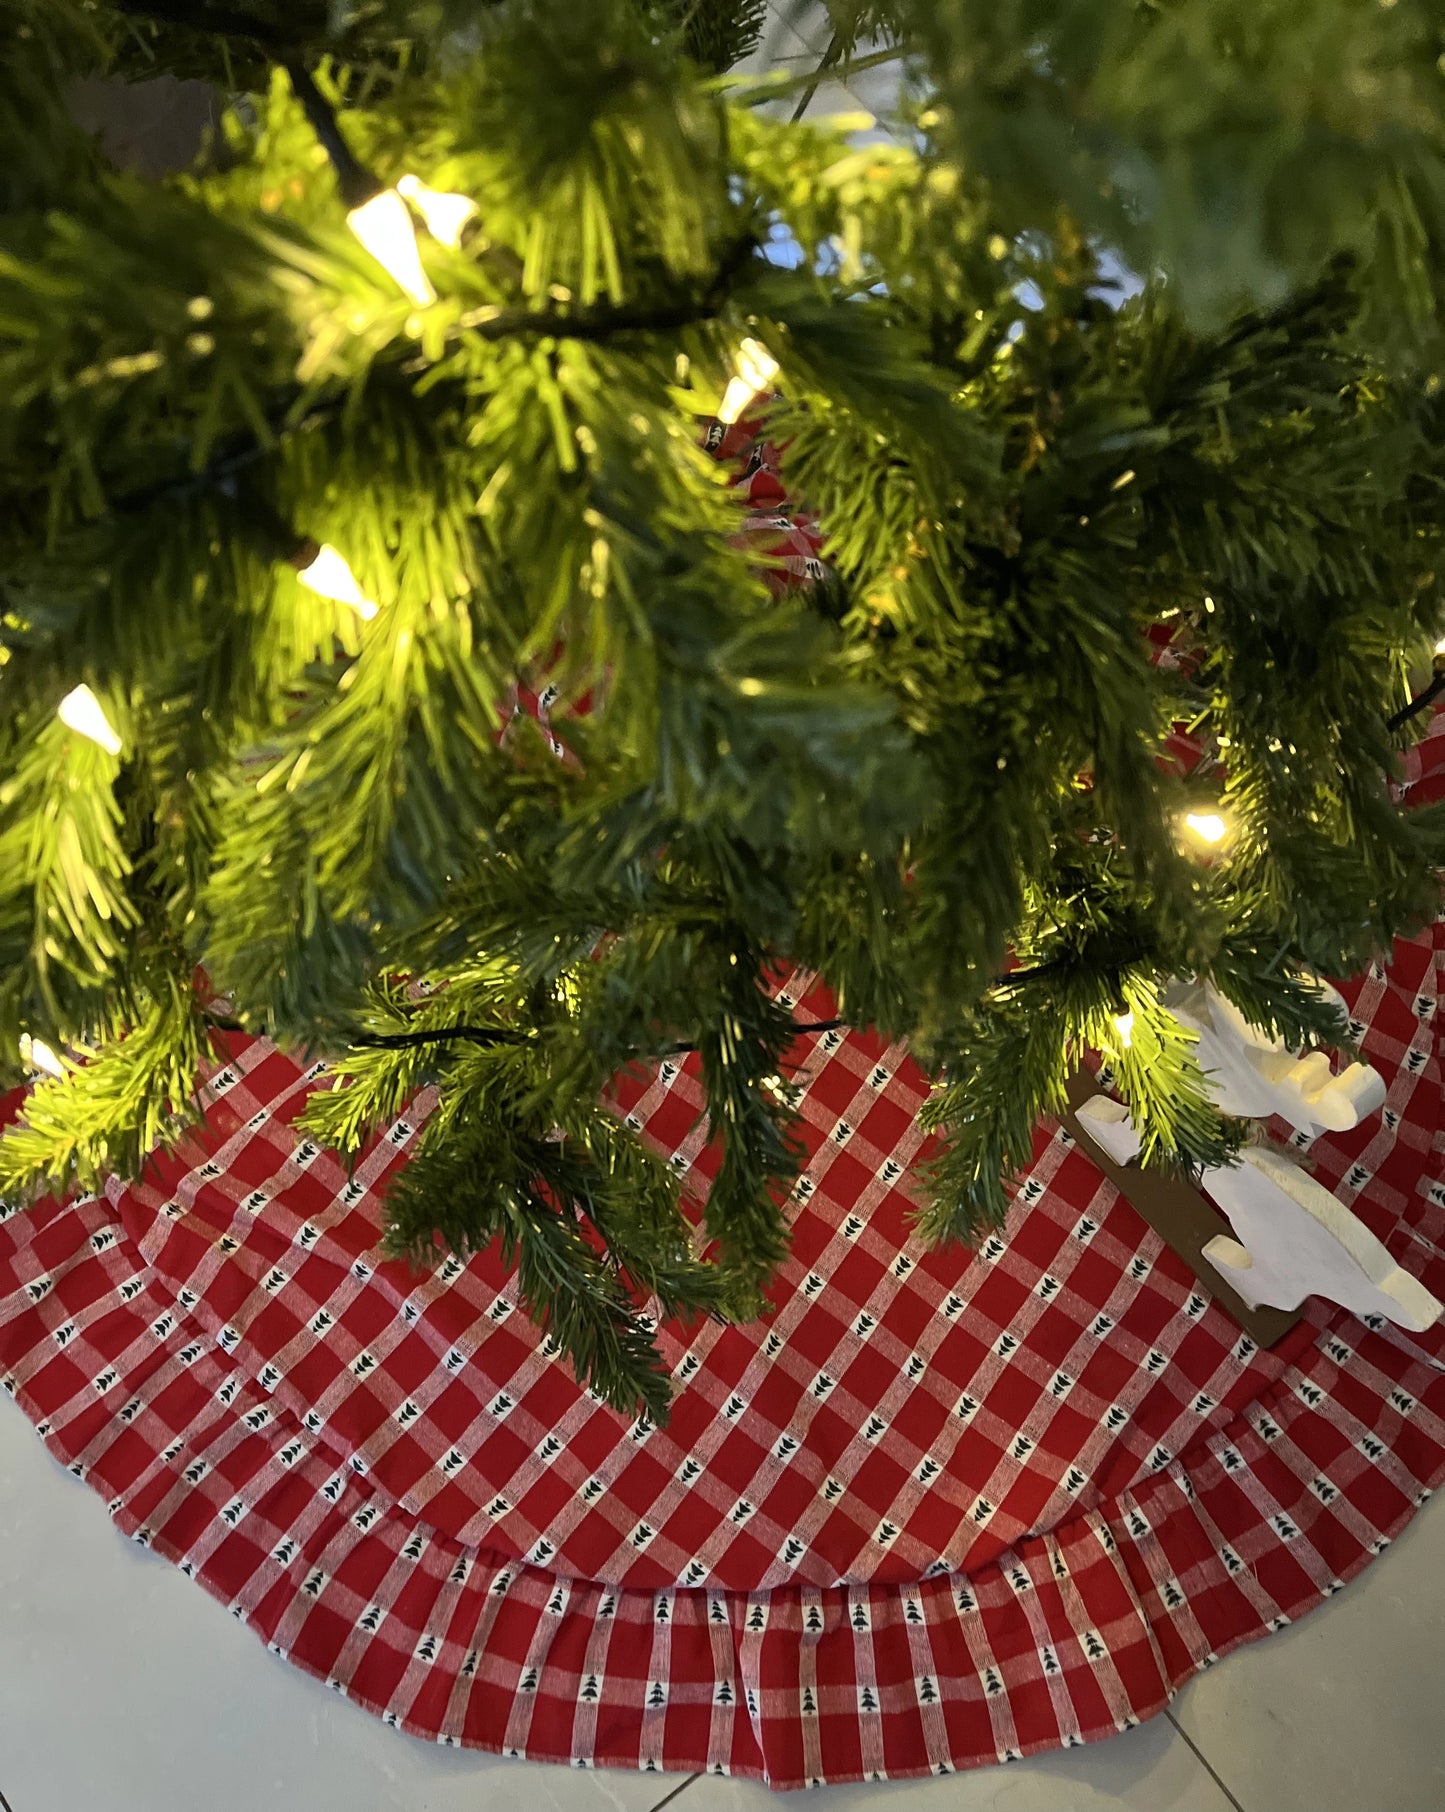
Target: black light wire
[{"x": 1421, "y": 699}]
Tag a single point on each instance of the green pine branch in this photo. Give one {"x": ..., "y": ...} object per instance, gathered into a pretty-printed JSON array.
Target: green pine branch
[
  {"x": 940, "y": 775},
  {"x": 112, "y": 1108}
]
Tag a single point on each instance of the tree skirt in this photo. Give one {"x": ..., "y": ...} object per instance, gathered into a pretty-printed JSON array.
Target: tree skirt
[{"x": 936, "y": 1511}]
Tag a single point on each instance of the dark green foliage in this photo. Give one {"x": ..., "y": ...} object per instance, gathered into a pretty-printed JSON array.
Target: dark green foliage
[
  {"x": 857, "y": 22},
  {"x": 1236, "y": 145},
  {"x": 718, "y": 33},
  {"x": 108, "y": 1115},
  {"x": 41, "y": 152},
  {"x": 948, "y": 758}
]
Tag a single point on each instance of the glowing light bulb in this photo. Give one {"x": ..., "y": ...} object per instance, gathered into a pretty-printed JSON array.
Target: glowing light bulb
[
  {"x": 327, "y": 574},
  {"x": 38, "y": 1055},
  {"x": 1124, "y": 1026},
  {"x": 1209, "y": 827},
  {"x": 81, "y": 711},
  {"x": 756, "y": 370},
  {"x": 384, "y": 226},
  {"x": 445, "y": 214}
]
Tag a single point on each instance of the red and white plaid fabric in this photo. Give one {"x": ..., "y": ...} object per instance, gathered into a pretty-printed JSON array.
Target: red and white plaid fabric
[
  {"x": 772, "y": 527},
  {"x": 935, "y": 1511}
]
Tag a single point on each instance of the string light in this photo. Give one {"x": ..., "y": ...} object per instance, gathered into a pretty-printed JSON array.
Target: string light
[
  {"x": 379, "y": 215},
  {"x": 321, "y": 569},
  {"x": 756, "y": 369},
  {"x": 384, "y": 226},
  {"x": 37, "y": 1054},
  {"x": 80, "y": 710},
  {"x": 1124, "y": 1026},
  {"x": 376, "y": 214},
  {"x": 1209, "y": 827},
  {"x": 445, "y": 214}
]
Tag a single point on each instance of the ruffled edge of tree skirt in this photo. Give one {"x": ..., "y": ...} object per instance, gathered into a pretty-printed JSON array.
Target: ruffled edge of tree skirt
[{"x": 1075, "y": 1633}]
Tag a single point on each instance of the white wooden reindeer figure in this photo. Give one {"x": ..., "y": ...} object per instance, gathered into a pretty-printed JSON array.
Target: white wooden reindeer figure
[
  {"x": 1254, "y": 1076},
  {"x": 1294, "y": 1238}
]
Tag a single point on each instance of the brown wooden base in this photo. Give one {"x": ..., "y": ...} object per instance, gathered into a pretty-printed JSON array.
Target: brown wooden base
[{"x": 1183, "y": 1218}]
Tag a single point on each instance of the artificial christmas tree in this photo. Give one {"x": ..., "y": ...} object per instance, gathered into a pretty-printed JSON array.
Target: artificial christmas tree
[{"x": 397, "y": 402}]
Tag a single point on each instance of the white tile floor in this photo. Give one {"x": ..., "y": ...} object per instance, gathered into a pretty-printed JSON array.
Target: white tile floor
[{"x": 124, "y": 1687}]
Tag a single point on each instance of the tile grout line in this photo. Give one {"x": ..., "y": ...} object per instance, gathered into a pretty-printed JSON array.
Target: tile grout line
[
  {"x": 675, "y": 1792},
  {"x": 1203, "y": 1760}
]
